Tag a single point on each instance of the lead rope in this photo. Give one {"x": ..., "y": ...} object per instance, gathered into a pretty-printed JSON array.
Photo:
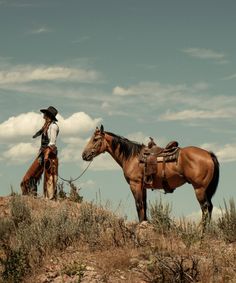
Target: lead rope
[{"x": 73, "y": 180}]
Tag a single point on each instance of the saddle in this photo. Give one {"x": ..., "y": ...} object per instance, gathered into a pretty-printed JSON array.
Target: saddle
[{"x": 153, "y": 154}]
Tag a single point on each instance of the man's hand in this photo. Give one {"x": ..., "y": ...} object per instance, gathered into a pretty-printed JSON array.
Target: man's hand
[{"x": 37, "y": 134}]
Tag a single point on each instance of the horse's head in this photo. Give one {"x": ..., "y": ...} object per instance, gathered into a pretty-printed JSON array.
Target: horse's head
[{"x": 96, "y": 145}]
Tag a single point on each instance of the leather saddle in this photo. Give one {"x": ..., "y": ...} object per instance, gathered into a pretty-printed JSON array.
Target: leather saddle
[
  {"x": 159, "y": 152},
  {"x": 153, "y": 154}
]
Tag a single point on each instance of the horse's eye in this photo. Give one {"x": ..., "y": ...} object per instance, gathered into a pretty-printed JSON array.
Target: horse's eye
[{"x": 96, "y": 138}]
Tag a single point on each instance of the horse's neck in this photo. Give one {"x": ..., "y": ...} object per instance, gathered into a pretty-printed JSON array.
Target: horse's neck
[{"x": 114, "y": 153}]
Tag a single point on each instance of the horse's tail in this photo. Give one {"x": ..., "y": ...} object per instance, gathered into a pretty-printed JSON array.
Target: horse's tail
[{"x": 211, "y": 189}]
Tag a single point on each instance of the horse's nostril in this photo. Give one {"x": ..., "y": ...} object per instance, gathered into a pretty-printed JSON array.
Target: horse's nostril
[{"x": 84, "y": 155}]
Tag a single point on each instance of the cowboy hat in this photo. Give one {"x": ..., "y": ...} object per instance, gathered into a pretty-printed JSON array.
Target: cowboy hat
[{"x": 51, "y": 112}]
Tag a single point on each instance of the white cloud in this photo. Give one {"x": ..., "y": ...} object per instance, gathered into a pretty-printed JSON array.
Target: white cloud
[
  {"x": 197, "y": 215},
  {"x": 122, "y": 91},
  {"x": 104, "y": 162},
  {"x": 190, "y": 114},
  {"x": 28, "y": 73},
  {"x": 72, "y": 152},
  {"x": 231, "y": 77},
  {"x": 225, "y": 153},
  {"x": 204, "y": 53},
  {"x": 79, "y": 122},
  {"x": 40, "y": 30},
  {"x": 20, "y": 153},
  {"x": 87, "y": 184},
  {"x": 26, "y": 124},
  {"x": 150, "y": 88}
]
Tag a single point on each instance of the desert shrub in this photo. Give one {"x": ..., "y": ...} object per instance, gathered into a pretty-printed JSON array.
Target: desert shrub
[
  {"x": 20, "y": 212},
  {"x": 188, "y": 232},
  {"x": 61, "y": 194},
  {"x": 74, "y": 268},
  {"x": 160, "y": 216},
  {"x": 98, "y": 226},
  {"x": 34, "y": 240},
  {"x": 15, "y": 265},
  {"x": 171, "y": 268},
  {"x": 74, "y": 193},
  {"x": 52, "y": 231},
  {"x": 227, "y": 221},
  {"x": 6, "y": 230}
]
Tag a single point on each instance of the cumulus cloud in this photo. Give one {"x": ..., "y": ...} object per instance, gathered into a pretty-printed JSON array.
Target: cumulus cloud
[
  {"x": 77, "y": 123},
  {"x": 225, "y": 153},
  {"x": 26, "y": 124},
  {"x": 104, "y": 162},
  {"x": 204, "y": 53},
  {"x": 17, "y": 129},
  {"x": 19, "y": 153},
  {"x": 28, "y": 73},
  {"x": 19, "y": 126},
  {"x": 72, "y": 153}
]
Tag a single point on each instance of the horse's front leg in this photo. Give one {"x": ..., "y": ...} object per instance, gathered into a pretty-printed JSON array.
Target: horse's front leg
[{"x": 140, "y": 196}]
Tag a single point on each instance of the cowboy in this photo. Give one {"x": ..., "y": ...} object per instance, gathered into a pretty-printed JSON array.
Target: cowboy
[{"x": 46, "y": 161}]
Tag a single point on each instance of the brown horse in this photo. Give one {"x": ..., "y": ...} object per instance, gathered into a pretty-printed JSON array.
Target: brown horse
[{"x": 194, "y": 165}]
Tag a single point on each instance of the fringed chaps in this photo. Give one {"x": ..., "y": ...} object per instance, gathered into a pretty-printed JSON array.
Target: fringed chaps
[
  {"x": 47, "y": 163},
  {"x": 32, "y": 178},
  {"x": 50, "y": 177}
]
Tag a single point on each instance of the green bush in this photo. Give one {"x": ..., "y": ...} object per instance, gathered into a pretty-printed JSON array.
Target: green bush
[
  {"x": 227, "y": 221},
  {"x": 20, "y": 212},
  {"x": 99, "y": 226},
  {"x": 173, "y": 269},
  {"x": 74, "y": 194},
  {"x": 6, "y": 230},
  {"x": 189, "y": 233},
  {"x": 160, "y": 216},
  {"x": 15, "y": 266}
]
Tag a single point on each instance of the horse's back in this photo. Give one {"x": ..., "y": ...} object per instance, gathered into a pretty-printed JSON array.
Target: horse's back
[{"x": 194, "y": 151}]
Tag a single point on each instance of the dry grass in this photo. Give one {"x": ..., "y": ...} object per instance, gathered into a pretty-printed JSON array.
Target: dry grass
[{"x": 87, "y": 241}]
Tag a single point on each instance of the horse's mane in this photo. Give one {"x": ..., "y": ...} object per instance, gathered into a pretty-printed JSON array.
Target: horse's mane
[{"x": 126, "y": 147}]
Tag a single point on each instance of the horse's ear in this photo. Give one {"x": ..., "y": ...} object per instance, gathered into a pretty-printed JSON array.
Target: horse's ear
[{"x": 102, "y": 129}]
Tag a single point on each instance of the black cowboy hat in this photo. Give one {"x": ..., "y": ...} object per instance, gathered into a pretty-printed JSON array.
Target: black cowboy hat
[{"x": 51, "y": 112}]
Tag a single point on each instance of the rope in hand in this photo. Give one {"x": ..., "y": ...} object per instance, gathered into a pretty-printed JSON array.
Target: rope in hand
[{"x": 73, "y": 180}]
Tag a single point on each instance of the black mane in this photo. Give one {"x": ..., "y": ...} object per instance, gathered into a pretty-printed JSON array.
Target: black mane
[{"x": 126, "y": 147}]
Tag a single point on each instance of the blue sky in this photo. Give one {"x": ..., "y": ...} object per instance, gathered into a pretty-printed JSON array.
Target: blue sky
[{"x": 142, "y": 68}]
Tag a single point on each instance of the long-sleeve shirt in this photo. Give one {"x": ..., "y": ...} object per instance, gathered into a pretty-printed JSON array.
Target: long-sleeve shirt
[{"x": 52, "y": 132}]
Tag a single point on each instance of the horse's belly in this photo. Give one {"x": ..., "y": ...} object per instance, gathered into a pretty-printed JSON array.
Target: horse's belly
[{"x": 172, "y": 176}]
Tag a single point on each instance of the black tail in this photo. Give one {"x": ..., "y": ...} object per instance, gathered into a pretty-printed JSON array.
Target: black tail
[{"x": 211, "y": 189}]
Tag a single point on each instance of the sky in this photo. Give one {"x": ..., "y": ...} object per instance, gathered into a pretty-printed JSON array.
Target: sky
[{"x": 165, "y": 69}]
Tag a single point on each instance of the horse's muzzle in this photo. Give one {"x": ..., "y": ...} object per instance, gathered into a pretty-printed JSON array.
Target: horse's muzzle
[{"x": 87, "y": 156}]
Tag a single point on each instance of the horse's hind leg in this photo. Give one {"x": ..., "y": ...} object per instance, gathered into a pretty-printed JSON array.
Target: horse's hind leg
[{"x": 206, "y": 207}]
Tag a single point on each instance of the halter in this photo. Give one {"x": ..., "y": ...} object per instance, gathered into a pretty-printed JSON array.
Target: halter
[{"x": 98, "y": 145}]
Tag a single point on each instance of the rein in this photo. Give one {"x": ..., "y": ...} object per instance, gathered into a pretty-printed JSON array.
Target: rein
[{"x": 73, "y": 180}]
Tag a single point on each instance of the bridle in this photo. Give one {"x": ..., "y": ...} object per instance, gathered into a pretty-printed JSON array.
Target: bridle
[{"x": 98, "y": 145}]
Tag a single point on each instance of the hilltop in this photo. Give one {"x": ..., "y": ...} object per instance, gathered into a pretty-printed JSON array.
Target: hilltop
[{"x": 67, "y": 241}]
